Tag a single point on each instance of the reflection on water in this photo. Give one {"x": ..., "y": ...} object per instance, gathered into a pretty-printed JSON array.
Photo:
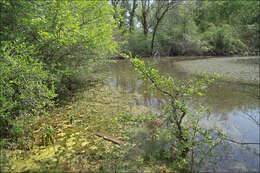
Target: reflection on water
[{"x": 232, "y": 109}]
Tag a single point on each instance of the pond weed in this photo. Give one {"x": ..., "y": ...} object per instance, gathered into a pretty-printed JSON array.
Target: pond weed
[{"x": 47, "y": 136}]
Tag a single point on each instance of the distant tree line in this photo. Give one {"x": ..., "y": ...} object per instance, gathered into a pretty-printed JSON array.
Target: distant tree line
[{"x": 188, "y": 27}]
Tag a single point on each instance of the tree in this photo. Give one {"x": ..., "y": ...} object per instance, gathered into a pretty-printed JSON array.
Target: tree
[
  {"x": 182, "y": 27},
  {"x": 67, "y": 36},
  {"x": 132, "y": 15},
  {"x": 144, "y": 15},
  {"x": 120, "y": 8},
  {"x": 162, "y": 7}
]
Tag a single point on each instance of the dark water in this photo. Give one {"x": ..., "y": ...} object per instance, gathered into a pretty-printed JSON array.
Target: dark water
[{"x": 233, "y": 110}]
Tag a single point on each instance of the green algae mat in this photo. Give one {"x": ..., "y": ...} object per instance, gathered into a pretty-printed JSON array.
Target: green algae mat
[{"x": 73, "y": 145}]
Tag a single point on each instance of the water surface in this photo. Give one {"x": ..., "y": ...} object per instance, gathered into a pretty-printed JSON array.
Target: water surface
[{"x": 233, "y": 110}]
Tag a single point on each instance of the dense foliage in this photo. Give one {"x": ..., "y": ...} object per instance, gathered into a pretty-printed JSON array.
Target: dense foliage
[
  {"x": 191, "y": 27},
  {"x": 23, "y": 84},
  {"x": 44, "y": 44}
]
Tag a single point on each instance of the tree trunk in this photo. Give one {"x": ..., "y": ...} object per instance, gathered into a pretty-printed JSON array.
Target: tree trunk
[
  {"x": 154, "y": 32},
  {"x": 132, "y": 15},
  {"x": 161, "y": 10},
  {"x": 145, "y": 25},
  {"x": 155, "y": 29},
  {"x": 145, "y": 11}
]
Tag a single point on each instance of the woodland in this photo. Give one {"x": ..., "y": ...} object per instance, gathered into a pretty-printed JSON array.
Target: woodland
[{"x": 51, "y": 50}]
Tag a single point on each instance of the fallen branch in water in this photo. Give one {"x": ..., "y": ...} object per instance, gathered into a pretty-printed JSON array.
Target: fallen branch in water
[
  {"x": 109, "y": 138},
  {"x": 243, "y": 143}
]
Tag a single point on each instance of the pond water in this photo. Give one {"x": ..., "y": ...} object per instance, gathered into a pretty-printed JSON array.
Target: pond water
[{"x": 234, "y": 110}]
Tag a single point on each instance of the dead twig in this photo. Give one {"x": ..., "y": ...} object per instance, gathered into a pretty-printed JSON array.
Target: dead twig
[{"x": 109, "y": 138}]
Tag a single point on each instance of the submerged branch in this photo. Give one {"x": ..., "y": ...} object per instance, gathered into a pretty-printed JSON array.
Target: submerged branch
[
  {"x": 243, "y": 143},
  {"x": 110, "y": 138}
]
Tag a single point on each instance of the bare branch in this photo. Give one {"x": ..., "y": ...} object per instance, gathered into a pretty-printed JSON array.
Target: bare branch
[{"x": 242, "y": 143}]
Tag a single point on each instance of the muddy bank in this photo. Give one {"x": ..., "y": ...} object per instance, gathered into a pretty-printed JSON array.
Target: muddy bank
[{"x": 238, "y": 69}]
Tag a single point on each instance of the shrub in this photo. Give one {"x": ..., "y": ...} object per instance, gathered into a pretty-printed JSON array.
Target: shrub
[
  {"x": 180, "y": 123},
  {"x": 223, "y": 40},
  {"x": 138, "y": 44},
  {"x": 65, "y": 36},
  {"x": 25, "y": 87}
]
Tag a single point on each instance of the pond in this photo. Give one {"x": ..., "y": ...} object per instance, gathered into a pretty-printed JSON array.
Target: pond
[{"x": 233, "y": 109}]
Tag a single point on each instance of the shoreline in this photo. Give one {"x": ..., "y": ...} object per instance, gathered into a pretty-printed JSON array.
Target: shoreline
[{"x": 186, "y": 57}]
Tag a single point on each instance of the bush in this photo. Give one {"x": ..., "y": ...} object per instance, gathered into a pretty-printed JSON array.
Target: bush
[
  {"x": 65, "y": 36},
  {"x": 223, "y": 40},
  {"x": 138, "y": 44},
  {"x": 25, "y": 87},
  {"x": 179, "y": 124}
]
